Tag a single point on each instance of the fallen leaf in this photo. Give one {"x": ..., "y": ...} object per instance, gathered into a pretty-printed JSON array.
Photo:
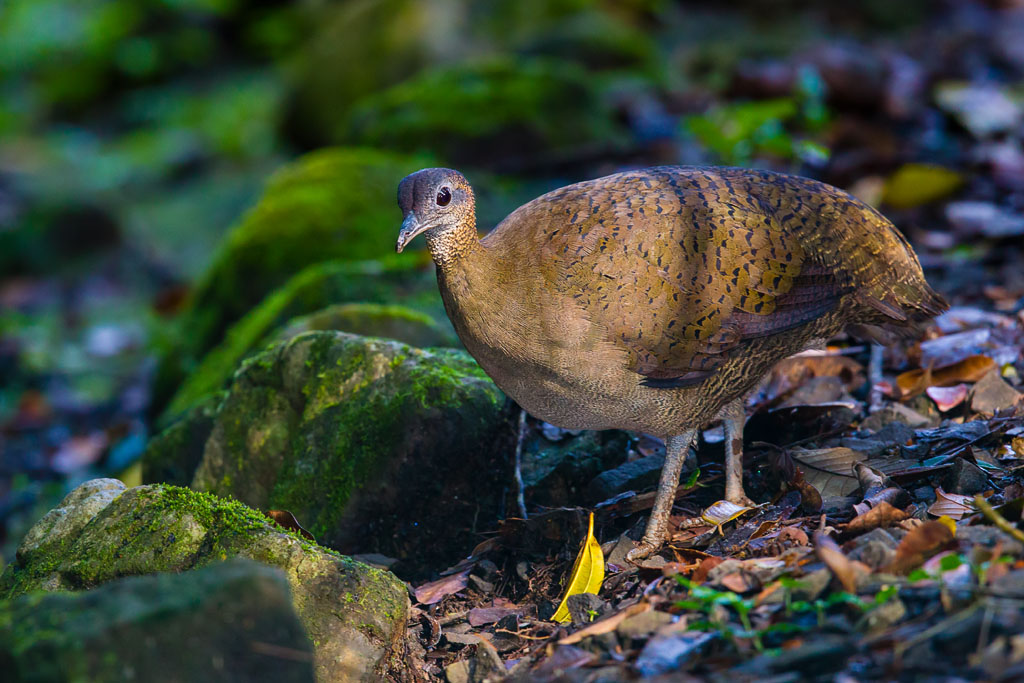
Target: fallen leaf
[
  {"x": 920, "y": 543},
  {"x": 587, "y": 573},
  {"x": 992, "y": 394},
  {"x": 829, "y": 470},
  {"x": 287, "y": 520},
  {"x": 982, "y": 108},
  {"x": 840, "y": 565},
  {"x": 952, "y": 505},
  {"x": 432, "y": 592},
  {"x": 947, "y": 398},
  {"x": 970, "y": 369},
  {"x": 705, "y": 568},
  {"x": 917, "y": 184},
  {"x": 974, "y": 218},
  {"x": 723, "y": 511},
  {"x": 810, "y": 498},
  {"x": 606, "y": 625},
  {"x": 880, "y": 516},
  {"x": 741, "y": 581},
  {"x": 480, "y": 616}
]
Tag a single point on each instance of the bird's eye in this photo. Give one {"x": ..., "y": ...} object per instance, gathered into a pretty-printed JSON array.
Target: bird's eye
[{"x": 444, "y": 196}]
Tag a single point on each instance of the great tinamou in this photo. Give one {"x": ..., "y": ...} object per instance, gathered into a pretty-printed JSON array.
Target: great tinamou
[{"x": 656, "y": 300}]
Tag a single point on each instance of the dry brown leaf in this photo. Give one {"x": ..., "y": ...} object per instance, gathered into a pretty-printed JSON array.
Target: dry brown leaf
[
  {"x": 839, "y": 564},
  {"x": 432, "y": 592},
  {"x": 810, "y": 498},
  {"x": 829, "y": 470},
  {"x": 606, "y": 625},
  {"x": 705, "y": 568},
  {"x": 723, "y": 511},
  {"x": 287, "y": 520},
  {"x": 970, "y": 369},
  {"x": 952, "y": 505},
  {"x": 741, "y": 581},
  {"x": 919, "y": 544},
  {"x": 881, "y": 516}
]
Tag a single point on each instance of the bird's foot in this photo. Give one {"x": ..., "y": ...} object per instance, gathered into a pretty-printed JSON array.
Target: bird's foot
[
  {"x": 741, "y": 499},
  {"x": 642, "y": 551}
]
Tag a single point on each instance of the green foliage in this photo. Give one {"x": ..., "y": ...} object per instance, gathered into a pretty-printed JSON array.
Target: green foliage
[
  {"x": 330, "y": 204},
  {"x": 310, "y": 290},
  {"x": 482, "y": 109},
  {"x": 710, "y": 601},
  {"x": 738, "y": 133}
]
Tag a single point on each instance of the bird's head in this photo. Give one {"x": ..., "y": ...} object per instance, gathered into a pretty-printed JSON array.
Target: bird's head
[{"x": 438, "y": 202}]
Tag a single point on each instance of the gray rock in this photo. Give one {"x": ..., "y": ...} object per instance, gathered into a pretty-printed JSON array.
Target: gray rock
[
  {"x": 634, "y": 475},
  {"x": 354, "y": 614},
  {"x": 875, "y": 554},
  {"x": 670, "y": 652},
  {"x": 965, "y": 478},
  {"x": 643, "y": 624},
  {"x": 992, "y": 394},
  {"x": 232, "y": 621}
]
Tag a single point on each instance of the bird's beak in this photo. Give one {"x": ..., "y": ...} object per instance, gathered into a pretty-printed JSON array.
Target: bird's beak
[{"x": 411, "y": 227}]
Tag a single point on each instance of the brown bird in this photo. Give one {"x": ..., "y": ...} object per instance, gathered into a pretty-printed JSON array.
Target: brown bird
[{"x": 656, "y": 300}]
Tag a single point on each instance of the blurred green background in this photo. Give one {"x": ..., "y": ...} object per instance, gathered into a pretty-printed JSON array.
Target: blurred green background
[{"x": 179, "y": 178}]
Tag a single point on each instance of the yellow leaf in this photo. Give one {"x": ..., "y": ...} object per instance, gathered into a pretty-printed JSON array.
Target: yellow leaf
[
  {"x": 587, "y": 573},
  {"x": 949, "y": 523},
  {"x": 916, "y": 184},
  {"x": 723, "y": 511}
]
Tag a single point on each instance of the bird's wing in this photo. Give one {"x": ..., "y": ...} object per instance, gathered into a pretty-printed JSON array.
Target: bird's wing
[{"x": 679, "y": 268}]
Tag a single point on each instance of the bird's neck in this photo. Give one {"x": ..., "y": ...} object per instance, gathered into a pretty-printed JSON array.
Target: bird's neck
[{"x": 455, "y": 248}]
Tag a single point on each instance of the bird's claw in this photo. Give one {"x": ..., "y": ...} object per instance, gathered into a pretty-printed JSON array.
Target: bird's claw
[
  {"x": 743, "y": 500},
  {"x": 641, "y": 552}
]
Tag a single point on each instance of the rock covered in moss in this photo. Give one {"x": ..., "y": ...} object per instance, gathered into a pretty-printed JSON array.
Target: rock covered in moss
[
  {"x": 371, "y": 320},
  {"x": 354, "y": 614},
  {"x": 374, "y": 445},
  {"x": 488, "y": 110},
  {"x": 172, "y": 456},
  {"x": 225, "y": 622},
  {"x": 310, "y": 290},
  {"x": 406, "y": 37},
  {"x": 329, "y": 204}
]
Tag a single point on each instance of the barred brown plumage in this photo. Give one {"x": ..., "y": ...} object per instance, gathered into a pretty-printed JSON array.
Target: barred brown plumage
[{"x": 656, "y": 299}]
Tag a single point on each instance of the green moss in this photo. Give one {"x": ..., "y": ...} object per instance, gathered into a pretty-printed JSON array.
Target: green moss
[
  {"x": 330, "y": 204},
  {"x": 346, "y": 415},
  {"x": 503, "y": 105},
  {"x": 311, "y": 290}
]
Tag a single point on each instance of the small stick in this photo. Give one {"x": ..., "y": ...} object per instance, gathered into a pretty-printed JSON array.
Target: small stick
[
  {"x": 997, "y": 519},
  {"x": 520, "y": 500},
  {"x": 875, "y": 377}
]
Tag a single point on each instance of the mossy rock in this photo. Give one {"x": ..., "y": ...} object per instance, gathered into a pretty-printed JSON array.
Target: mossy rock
[
  {"x": 198, "y": 626},
  {"x": 407, "y": 37},
  {"x": 314, "y": 288},
  {"x": 374, "y": 445},
  {"x": 330, "y": 204},
  {"x": 354, "y": 614},
  {"x": 487, "y": 112},
  {"x": 172, "y": 456},
  {"x": 371, "y": 320}
]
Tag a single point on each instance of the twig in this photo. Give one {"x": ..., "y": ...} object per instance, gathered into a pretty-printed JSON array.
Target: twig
[
  {"x": 520, "y": 437},
  {"x": 875, "y": 378},
  {"x": 997, "y": 519}
]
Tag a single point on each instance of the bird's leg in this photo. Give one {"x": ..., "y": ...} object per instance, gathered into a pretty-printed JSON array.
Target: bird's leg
[
  {"x": 676, "y": 448},
  {"x": 517, "y": 465},
  {"x": 733, "y": 419}
]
